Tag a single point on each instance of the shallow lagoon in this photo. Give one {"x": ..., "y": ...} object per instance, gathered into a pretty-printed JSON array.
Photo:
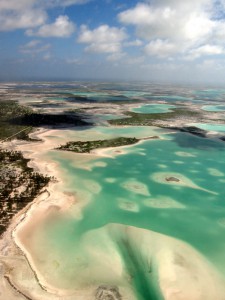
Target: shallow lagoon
[
  {"x": 107, "y": 132},
  {"x": 171, "y": 98},
  {"x": 210, "y": 127},
  {"x": 211, "y": 94},
  {"x": 99, "y": 96},
  {"x": 199, "y": 196},
  {"x": 133, "y": 189},
  {"x": 153, "y": 108},
  {"x": 214, "y": 108}
]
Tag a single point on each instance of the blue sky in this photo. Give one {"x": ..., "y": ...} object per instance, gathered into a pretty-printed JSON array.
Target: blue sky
[{"x": 152, "y": 40}]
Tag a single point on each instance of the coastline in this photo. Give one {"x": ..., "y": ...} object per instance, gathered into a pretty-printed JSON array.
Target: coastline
[
  {"x": 53, "y": 200},
  {"x": 36, "y": 210}
]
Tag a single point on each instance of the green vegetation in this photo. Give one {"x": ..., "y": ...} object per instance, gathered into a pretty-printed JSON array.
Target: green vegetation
[
  {"x": 18, "y": 121},
  {"x": 86, "y": 147},
  {"x": 139, "y": 119},
  {"x": 10, "y": 110},
  {"x": 19, "y": 185}
]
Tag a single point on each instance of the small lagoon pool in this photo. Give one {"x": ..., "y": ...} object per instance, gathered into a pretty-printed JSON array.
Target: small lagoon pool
[
  {"x": 214, "y": 108},
  {"x": 153, "y": 108},
  {"x": 209, "y": 127}
]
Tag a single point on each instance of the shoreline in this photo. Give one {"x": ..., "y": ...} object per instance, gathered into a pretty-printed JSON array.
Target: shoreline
[
  {"x": 52, "y": 193},
  {"x": 39, "y": 209}
]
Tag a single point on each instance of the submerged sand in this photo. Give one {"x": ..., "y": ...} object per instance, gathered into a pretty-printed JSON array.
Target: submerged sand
[
  {"x": 112, "y": 260},
  {"x": 119, "y": 256}
]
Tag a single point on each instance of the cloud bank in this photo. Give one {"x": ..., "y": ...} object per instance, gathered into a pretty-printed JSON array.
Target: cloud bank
[
  {"x": 26, "y": 14},
  {"x": 178, "y": 27},
  {"x": 62, "y": 27}
]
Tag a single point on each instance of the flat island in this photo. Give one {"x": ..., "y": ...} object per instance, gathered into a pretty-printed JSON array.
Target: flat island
[{"x": 88, "y": 146}]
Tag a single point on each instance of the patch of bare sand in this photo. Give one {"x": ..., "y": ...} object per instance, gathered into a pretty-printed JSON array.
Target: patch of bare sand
[
  {"x": 182, "y": 273},
  {"x": 177, "y": 179}
]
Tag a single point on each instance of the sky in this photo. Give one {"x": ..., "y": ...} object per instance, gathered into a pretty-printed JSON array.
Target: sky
[{"x": 150, "y": 40}]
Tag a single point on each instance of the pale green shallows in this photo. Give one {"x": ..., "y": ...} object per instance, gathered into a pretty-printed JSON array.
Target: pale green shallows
[{"x": 131, "y": 189}]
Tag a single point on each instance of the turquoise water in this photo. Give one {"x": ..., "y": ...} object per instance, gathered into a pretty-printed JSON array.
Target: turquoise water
[
  {"x": 174, "y": 97},
  {"x": 211, "y": 94},
  {"x": 135, "y": 188},
  {"x": 204, "y": 164},
  {"x": 210, "y": 127},
  {"x": 104, "y": 132},
  {"x": 215, "y": 108},
  {"x": 99, "y": 96},
  {"x": 171, "y": 98},
  {"x": 112, "y": 93},
  {"x": 130, "y": 131},
  {"x": 153, "y": 108},
  {"x": 193, "y": 212},
  {"x": 101, "y": 119},
  {"x": 133, "y": 93}
]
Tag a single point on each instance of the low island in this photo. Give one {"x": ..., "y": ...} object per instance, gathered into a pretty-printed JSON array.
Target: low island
[{"x": 88, "y": 146}]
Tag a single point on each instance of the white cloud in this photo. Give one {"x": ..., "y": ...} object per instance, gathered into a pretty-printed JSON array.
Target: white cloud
[
  {"x": 205, "y": 50},
  {"x": 17, "y": 20},
  {"x": 64, "y": 3},
  {"x": 16, "y": 5},
  {"x": 168, "y": 21},
  {"x": 34, "y": 47},
  {"x": 177, "y": 26},
  {"x": 22, "y": 4},
  {"x": 62, "y": 27},
  {"x": 31, "y": 45},
  {"x": 103, "y": 39},
  {"x": 16, "y": 14},
  {"x": 103, "y": 48},
  {"x": 160, "y": 48},
  {"x": 23, "y": 14}
]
